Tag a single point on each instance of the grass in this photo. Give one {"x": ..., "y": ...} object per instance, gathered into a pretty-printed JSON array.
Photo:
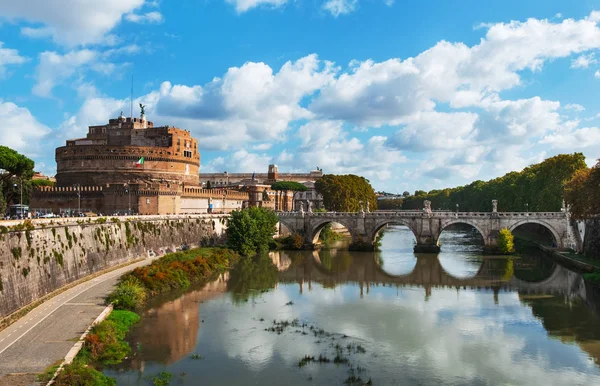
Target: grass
[
  {"x": 593, "y": 277},
  {"x": 105, "y": 342},
  {"x": 79, "y": 373},
  {"x": 172, "y": 271}
]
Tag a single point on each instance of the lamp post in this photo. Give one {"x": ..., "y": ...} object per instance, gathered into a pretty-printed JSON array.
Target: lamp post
[
  {"x": 21, "y": 202},
  {"x": 457, "y": 209},
  {"x": 527, "y": 208},
  {"x": 78, "y": 200}
]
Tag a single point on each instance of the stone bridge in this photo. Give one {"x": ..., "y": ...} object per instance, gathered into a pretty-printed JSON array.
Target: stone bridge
[{"x": 426, "y": 225}]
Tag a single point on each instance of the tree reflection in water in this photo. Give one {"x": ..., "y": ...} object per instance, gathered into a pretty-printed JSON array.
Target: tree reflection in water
[{"x": 252, "y": 276}]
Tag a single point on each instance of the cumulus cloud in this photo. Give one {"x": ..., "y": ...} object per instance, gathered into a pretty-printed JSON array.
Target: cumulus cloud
[
  {"x": 242, "y": 6},
  {"x": 82, "y": 22},
  {"x": 341, "y": 7},
  {"x": 20, "y": 130},
  {"x": 9, "y": 56}
]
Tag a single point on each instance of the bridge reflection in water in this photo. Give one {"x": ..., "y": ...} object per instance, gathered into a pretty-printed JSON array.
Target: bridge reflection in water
[{"x": 523, "y": 274}]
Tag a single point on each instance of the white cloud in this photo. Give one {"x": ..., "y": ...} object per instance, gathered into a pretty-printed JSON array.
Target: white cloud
[
  {"x": 341, "y": 7},
  {"x": 597, "y": 74},
  {"x": 81, "y": 22},
  {"x": 153, "y": 17},
  {"x": 9, "y": 56},
  {"x": 584, "y": 61},
  {"x": 575, "y": 107},
  {"x": 584, "y": 137},
  {"x": 20, "y": 130},
  {"x": 54, "y": 68},
  {"x": 242, "y": 6}
]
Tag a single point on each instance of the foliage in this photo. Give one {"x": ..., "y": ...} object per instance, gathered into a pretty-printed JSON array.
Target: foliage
[
  {"x": 593, "y": 277},
  {"x": 250, "y": 230},
  {"x": 291, "y": 242},
  {"x": 162, "y": 379},
  {"x": 129, "y": 294},
  {"x": 344, "y": 193},
  {"x": 540, "y": 186},
  {"x": 406, "y": 194},
  {"x": 328, "y": 235},
  {"x": 80, "y": 374},
  {"x": 15, "y": 164},
  {"x": 506, "y": 242},
  {"x": 38, "y": 183},
  {"x": 175, "y": 270},
  {"x": 389, "y": 204},
  {"x": 289, "y": 186},
  {"x": 252, "y": 275},
  {"x": 105, "y": 342},
  {"x": 582, "y": 192}
]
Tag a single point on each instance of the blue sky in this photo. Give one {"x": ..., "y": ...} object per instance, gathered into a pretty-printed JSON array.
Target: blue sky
[{"x": 412, "y": 95}]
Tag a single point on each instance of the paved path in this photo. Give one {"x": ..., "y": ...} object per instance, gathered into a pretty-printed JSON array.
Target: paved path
[{"x": 47, "y": 333}]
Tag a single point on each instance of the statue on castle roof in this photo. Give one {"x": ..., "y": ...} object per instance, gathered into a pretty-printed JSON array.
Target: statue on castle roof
[{"x": 143, "y": 107}]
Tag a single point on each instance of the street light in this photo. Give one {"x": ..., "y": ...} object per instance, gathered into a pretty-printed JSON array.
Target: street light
[
  {"x": 457, "y": 209},
  {"x": 527, "y": 208},
  {"x": 78, "y": 200},
  {"x": 21, "y": 203}
]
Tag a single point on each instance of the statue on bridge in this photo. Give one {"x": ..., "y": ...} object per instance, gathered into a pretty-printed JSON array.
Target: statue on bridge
[
  {"x": 494, "y": 206},
  {"x": 309, "y": 206},
  {"x": 301, "y": 209},
  {"x": 368, "y": 211},
  {"x": 427, "y": 206}
]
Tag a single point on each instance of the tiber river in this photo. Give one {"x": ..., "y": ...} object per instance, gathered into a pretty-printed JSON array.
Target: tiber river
[{"x": 392, "y": 317}]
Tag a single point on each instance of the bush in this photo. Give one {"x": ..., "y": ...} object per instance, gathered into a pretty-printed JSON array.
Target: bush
[
  {"x": 506, "y": 243},
  {"x": 79, "y": 374},
  {"x": 105, "y": 340},
  {"x": 176, "y": 270},
  {"x": 129, "y": 294}
]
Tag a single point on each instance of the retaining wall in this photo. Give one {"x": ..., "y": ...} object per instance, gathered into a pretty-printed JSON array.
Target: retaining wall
[{"x": 47, "y": 255}]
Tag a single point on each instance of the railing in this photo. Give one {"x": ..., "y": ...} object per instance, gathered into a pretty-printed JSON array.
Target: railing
[{"x": 418, "y": 213}]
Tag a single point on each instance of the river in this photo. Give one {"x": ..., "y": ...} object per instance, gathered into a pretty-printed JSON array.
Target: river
[{"x": 392, "y": 317}]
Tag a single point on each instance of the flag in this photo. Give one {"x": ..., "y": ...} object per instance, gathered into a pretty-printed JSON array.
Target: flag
[{"x": 140, "y": 162}]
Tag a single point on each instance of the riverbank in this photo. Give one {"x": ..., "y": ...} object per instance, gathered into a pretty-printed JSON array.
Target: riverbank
[{"x": 105, "y": 345}]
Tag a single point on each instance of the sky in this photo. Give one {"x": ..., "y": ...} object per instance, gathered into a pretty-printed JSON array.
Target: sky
[{"x": 411, "y": 95}]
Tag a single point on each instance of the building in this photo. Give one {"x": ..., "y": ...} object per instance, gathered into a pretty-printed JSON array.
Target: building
[
  {"x": 129, "y": 150},
  {"x": 259, "y": 187},
  {"x": 129, "y": 166}
]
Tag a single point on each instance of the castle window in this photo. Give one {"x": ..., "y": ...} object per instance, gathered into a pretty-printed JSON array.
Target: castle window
[
  {"x": 187, "y": 154},
  {"x": 147, "y": 201}
]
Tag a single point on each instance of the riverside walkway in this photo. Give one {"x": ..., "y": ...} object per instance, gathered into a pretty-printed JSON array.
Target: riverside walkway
[{"x": 46, "y": 334}]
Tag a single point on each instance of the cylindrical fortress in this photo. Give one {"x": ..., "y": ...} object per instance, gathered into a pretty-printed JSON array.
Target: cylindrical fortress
[{"x": 129, "y": 151}]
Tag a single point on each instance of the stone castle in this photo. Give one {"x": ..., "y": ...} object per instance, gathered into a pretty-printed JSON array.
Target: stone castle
[{"x": 129, "y": 166}]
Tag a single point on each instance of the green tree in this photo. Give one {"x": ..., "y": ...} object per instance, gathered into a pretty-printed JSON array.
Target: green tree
[
  {"x": 14, "y": 169},
  {"x": 506, "y": 242},
  {"x": 208, "y": 185},
  {"x": 539, "y": 187},
  {"x": 250, "y": 230},
  {"x": 344, "y": 193},
  {"x": 582, "y": 192},
  {"x": 406, "y": 194},
  {"x": 390, "y": 204}
]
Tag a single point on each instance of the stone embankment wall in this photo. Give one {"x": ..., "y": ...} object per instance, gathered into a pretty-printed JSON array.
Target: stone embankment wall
[{"x": 39, "y": 257}]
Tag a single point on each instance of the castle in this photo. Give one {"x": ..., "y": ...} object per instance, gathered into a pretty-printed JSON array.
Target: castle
[{"x": 129, "y": 166}]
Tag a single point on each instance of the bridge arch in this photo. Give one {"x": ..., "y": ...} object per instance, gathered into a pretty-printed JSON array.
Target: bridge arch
[
  {"x": 549, "y": 227},
  {"x": 379, "y": 225},
  {"x": 316, "y": 229},
  {"x": 483, "y": 233},
  {"x": 289, "y": 226}
]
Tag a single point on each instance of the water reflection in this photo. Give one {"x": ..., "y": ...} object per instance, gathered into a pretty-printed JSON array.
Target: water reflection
[{"x": 458, "y": 319}]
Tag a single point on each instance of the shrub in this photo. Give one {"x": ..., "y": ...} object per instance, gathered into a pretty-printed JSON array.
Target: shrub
[
  {"x": 129, "y": 294},
  {"x": 506, "y": 243},
  {"x": 105, "y": 340},
  {"x": 79, "y": 374}
]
